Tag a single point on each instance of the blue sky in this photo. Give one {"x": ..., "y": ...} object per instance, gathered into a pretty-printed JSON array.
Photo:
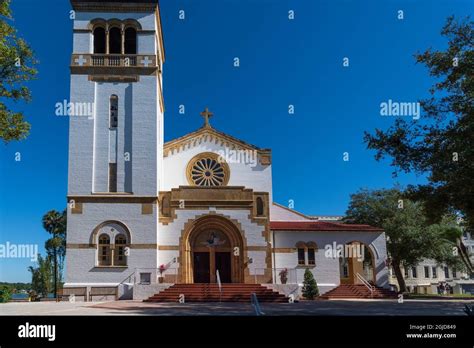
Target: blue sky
[{"x": 282, "y": 62}]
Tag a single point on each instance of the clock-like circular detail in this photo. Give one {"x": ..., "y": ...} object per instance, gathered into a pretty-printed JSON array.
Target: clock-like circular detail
[{"x": 208, "y": 169}]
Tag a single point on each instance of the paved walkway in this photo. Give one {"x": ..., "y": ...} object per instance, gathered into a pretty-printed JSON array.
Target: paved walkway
[{"x": 339, "y": 307}]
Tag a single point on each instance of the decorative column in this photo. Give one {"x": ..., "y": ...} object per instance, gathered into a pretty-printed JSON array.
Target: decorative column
[
  {"x": 123, "y": 39},
  {"x": 107, "y": 39},
  {"x": 112, "y": 250}
]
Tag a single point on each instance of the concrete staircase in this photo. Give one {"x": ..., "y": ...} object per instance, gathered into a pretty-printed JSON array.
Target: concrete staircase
[
  {"x": 210, "y": 293},
  {"x": 358, "y": 291}
]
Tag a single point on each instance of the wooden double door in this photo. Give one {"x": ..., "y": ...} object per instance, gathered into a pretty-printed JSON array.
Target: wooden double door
[{"x": 206, "y": 263}]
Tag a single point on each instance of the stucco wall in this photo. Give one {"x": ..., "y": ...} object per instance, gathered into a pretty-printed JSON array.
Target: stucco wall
[
  {"x": 81, "y": 263},
  {"x": 326, "y": 271},
  {"x": 256, "y": 177},
  {"x": 169, "y": 235}
]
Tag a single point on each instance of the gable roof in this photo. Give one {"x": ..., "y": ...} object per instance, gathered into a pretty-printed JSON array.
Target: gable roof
[
  {"x": 320, "y": 226},
  {"x": 207, "y": 133}
]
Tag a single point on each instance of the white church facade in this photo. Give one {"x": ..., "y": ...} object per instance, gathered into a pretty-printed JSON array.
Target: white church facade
[{"x": 197, "y": 209}]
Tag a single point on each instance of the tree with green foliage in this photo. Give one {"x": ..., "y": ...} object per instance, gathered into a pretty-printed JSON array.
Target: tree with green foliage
[
  {"x": 17, "y": 286},
  {"x": 55, "y": 223},
  {"x": 41, "y": 276},
  {"x": 410, "y": 236},
  {"x": 310, "y": 287},
  {"x": 439, "y": 144},
  {"x": 5, "y": 293},
  {"x": 16, "y": 67}
]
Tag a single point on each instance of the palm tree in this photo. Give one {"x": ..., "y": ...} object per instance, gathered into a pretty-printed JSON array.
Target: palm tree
[
  {"x": 41, "y": 276},
  {"x": 55, "y": 223}
]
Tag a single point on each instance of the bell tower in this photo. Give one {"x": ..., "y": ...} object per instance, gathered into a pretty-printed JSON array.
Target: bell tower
[
  {"x": 116, "y": 71},
  {"x": 115, "y": 140}
]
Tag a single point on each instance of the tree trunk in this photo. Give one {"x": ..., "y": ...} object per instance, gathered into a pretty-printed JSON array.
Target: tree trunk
[
  {"x": 55, "y": 273},
  {"x": 398, "y": 273}
]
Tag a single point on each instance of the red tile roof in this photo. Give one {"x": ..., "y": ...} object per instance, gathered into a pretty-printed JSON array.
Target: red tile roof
[{"x": 320, "y": 226}]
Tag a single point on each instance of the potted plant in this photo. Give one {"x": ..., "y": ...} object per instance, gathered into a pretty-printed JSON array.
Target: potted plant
[
  {"x": 284, "y": 275},
  {"x": 161, "y": 269}
]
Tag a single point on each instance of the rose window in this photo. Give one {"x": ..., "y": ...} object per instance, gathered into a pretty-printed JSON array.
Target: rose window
[{"x": 207, "y": 172}]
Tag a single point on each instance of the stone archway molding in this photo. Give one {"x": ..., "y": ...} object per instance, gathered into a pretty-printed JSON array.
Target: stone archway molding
[{"x": 212, "y": 220}]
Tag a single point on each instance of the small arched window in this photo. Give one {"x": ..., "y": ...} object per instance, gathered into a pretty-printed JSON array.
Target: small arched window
[
  {"x": 115, "y": 40},
  {"x": 301, "y": 248},
  {"x": 311, "y": 256},
  {"x": 104, "y": 250},
  {"x": 120, "y": 259},
  {"x": 301, "y": 258},
  {"x": 260, "y": 210},
  {"x": 130, "y": 41},
  {"x": 113, "y": 112},
  {"x": 165, "y": 206},
  {"x": 312, "y": 247},
  {"x": 99, "y": 40}
]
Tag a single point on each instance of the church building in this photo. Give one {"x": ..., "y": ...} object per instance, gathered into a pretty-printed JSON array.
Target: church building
[{"x": 147, "y": 214}]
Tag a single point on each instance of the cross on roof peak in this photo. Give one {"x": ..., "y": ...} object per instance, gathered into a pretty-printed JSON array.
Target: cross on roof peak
[{"x": 206, "y": 114}]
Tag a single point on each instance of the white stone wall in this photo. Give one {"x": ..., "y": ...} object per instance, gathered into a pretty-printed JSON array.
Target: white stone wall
[
  {"x": 169, "y": 235},
  {"x": 81, "y": 139},
  {"x": 91, "y": 140},
  {"x": 258, "y": 177},
  {"x": 327, "y": 272},
  {"x": 81, "y": 264}
]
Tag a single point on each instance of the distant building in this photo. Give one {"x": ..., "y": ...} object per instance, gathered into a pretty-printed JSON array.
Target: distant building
[{"x": 427, "y": 276}]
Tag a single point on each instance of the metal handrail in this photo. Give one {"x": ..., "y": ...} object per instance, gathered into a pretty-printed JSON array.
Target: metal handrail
[
  {"x": 129, "y": 277},
  {"x": 218, "y": 277},
  {"x": 366, "y": 283},
  {"x": 255, "y": 304}
]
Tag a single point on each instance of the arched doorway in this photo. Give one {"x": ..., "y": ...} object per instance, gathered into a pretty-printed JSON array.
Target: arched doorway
[
  {"x": 357, "y": 258},
  {"x": 211, "y": 244}
]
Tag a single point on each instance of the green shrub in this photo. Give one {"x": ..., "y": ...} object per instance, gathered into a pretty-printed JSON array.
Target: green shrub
[
  {"x": 310, "y": 287},
  {"x": 5, "y": 293}
]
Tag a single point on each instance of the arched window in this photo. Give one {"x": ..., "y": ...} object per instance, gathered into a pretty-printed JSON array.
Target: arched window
[
  {"x": 301, "y": 258},
  {"x": 104, "y": 250},
  {"x": 112, "y": 239},
  {"x": 260, "y": 206},
  {"x": 120, "y": 259},
  {"x": 115, "y": 40},
  {"x": 113, "y": 112},
  {"x": 301, "y": 248},
  {"x": 130, "y": 41},
  {"x": 99, "y": 40},
  {"x": 311, "y": 253},
  {"x": 165, "y": 206}
]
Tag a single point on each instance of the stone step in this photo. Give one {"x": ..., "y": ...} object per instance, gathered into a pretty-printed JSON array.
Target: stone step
[
  {"x": 211, "y": 293},
  {"x": 358, "y": 291}
]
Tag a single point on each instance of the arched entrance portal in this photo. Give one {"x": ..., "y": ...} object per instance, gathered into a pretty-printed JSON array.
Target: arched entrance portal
[
  {"x": 357, "y": 258},
  {"x": 212, "y": 244}
]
